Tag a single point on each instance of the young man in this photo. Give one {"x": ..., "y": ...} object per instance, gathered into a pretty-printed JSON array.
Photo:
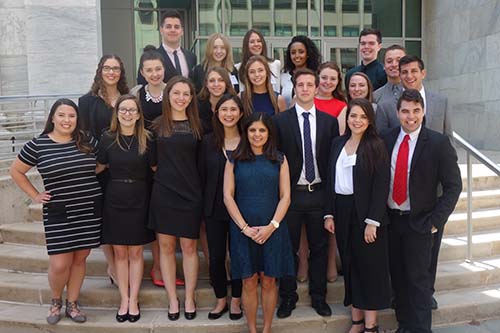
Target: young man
[
  {"x": 392, "y": 90},
  {"x": 421, "y": 161},
  {"x": 304, "y": 136},
  {"x": 178, "y": 60},
  {"x": 370, "y": 43}
]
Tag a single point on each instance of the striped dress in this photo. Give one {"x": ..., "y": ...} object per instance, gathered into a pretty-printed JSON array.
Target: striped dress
[{"x": 72, "y": 218}]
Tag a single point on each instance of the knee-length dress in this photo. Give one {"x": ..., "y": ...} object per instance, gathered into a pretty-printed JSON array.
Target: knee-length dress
[
  {"x": 257, "y": 195},
  {"x": 126, "y": 199},
  {"x": 72, "y": 217},
  {"x": 176, "y": 198}
]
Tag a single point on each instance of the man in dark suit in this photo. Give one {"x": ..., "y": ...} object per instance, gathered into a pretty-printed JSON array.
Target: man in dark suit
[
  {"x": 392, "y": 90},
  {"x": 178, "y": 60},
  {"x": 305, "y": 135},
  {"x": 421, "y": 159}
]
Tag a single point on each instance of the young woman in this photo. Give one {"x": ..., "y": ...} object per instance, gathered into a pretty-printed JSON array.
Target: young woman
[
  {"x": 218, "y": 53},
  {"x": 255, "y": 44},
  {"x": 96, "y": 108},
  {"x": 64, "y": 157},
  {"x": 215, "y": 150},
  {"x": 300, "y": 53},
  {"x": 359, "y": 86},
  {"x": 176, "y": 199},
  {"x": 257, "y": 196},
  {"x": 126, "y": 150},
  {"x": 357, "y": 190},
  {"x": 258, "y": 95},
  {"x": 217, "y": 83}
]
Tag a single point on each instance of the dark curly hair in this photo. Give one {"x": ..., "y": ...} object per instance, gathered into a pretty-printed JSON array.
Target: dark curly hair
[
  {"x": 313, "y": 55},
  {"x": 97, "y": 88}
]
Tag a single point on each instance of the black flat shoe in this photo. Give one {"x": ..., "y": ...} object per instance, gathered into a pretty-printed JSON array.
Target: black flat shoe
[
  {"x": 174, "y": 316},
  {"x": 235, "y": 316},
  {"x": 133, "y": 318},
  {"x": 217, "y": 315},
  {"x": 121, "y": 317},
  {"x": 190, "y": 315}
]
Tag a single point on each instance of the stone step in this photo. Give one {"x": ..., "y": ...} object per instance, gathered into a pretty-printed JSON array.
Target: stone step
[
  {"x": 97, "y": 291},
  {"x": 486, "y": 199},
  {"x": 455, "y": 307},
  {"x": 482, "y": 220},
  {"x": 482, "y": 177},
  {"x": 485, "y": 244}
]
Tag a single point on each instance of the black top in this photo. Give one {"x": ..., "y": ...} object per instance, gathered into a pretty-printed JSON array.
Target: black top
[
  {"x": 150, "y": 109},
  {"x": 375, "y": 72},
  {"x": 95, "y": 114},
  {"x": 206, "y": 115},
  {"x": 199, "y": 73}
]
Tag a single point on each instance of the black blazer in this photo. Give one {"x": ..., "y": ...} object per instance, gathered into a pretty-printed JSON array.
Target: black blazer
[
  {"x": 370, "y": 189},
  {"x": 95, "y": 114},
  {"x": 211, "y": 165},
  {"x": 290, "y": 141},
  {"x": 434, "y": 161},
  {"x": 169, "y": 67}
]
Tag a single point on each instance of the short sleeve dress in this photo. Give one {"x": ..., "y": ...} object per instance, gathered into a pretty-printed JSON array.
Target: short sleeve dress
[
  {"x": 176, "y": 198},
  {"x": 72, "y": 217},
  {"x": 126, "y": 199},
  {"x": 257, "y": 195}
]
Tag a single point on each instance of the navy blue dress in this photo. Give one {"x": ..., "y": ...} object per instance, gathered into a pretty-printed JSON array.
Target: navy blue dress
[
  {"x": 257, "y": 195},
  {"x": 262, "y": 103}
]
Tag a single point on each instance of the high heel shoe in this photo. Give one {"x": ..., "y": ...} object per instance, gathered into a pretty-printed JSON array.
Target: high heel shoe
[
  {"x": 174, "y": 316},
  {"x": 190, "y": 315},
  {"x": 156, "y": 282},
  {"x": 133, "y": 318}
]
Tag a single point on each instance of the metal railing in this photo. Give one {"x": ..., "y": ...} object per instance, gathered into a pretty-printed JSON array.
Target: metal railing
[{"x": 483, "y": 159}]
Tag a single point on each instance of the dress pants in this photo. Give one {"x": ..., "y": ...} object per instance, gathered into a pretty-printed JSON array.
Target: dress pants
[
  {"x": 218, "y": 238},
  {"x": 410, "y": 259},
  {"x": 436, "y": 245},
  {"x": 307, "y": 208}
]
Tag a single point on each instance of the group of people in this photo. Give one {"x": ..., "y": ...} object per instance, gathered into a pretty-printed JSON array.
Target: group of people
[{"x": 280, "y": 167}]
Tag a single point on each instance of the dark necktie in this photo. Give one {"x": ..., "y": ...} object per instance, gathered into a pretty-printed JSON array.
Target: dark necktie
[
  {"x": 308, "y": 153},
  {"x": 177, "y": 63},
  {"x": 399, "y": 189}
]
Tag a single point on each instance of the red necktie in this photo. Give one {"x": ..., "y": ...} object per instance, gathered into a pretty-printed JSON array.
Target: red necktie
[{"x": 399, "y": 189}]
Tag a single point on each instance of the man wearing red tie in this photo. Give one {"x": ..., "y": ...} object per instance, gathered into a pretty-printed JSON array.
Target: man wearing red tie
[{"x": 421, "y": 159}]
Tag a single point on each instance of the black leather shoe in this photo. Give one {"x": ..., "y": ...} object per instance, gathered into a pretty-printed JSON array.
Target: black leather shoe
[
  {"x": 434, "y": 303},
  {"x": 286, "y": 307},
  {"x": 235, "y": 316},
  {"x": 121, "y": 317},
  {"x": 190, "y": 315},
  {"x": 322, "y": 308},
  {"x": 133, "y": 318},
  {"x": 217, "y": 315}
]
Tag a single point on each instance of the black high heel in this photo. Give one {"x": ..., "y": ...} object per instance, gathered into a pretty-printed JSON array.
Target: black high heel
[
  {"x": 174, "y": 316},
  {"x": 190, "y": 315},
  {"x": 133, "y": 318}
]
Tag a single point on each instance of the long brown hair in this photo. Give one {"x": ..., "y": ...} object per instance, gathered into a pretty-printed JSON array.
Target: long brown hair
[
  {"x": 337, "y": 93},
  {"x": 208, "y": 59},
  {"x": 98, "y": 88},
  {"x": 163, "y": 125},
  {"x": 81, "y": 139},
  {"x": 246, "y": 54},
  {"x": 217, "y": 125},
  {"x": 141, "y": 134},
  {"x": 247, "y": 93},
  {"x": 205, "y": 94}
]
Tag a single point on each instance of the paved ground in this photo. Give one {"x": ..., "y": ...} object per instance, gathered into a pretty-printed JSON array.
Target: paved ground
[{"x": 490, "y": 326}]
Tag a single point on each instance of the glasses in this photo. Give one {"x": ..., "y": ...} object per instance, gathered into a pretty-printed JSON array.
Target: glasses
[
  {"x": 108, "y": 69},
  {"x": 125, "y": 110}
]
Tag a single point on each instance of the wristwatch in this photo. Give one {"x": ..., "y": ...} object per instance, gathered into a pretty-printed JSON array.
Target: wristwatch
[{"x": 275, "y": 224}]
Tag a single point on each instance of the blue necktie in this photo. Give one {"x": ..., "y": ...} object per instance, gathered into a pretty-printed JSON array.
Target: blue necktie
[
  {"x": 308, "y": 153},
  {"x": 177, "y": 63}
]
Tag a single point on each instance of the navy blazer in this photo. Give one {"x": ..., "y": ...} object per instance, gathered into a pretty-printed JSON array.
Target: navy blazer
[
  {"x": 434, "y": 161},
  {"x": 371, "y": 189}
]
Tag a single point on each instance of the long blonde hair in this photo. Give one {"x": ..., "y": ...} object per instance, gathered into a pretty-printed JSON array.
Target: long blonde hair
[
  {"x": 141, "y": 134},
  {"x": 208, "y": 59},
  {"x": 247, "y": 93}
]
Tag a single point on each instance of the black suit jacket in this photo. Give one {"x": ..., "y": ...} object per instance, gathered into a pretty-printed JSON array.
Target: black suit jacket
[
  {"x": 290, "y": 141},
  {"x": 169, "y": 66},
  {"x": 434, "y": 161},
  {"x": 371, "y": 189}
]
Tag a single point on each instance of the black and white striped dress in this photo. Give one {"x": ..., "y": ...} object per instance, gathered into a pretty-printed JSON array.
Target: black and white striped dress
[{"x": 72, "y": 218}]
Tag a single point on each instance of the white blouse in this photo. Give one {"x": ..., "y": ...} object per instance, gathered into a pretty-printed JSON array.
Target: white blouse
[{"x": 343, "y": 173}]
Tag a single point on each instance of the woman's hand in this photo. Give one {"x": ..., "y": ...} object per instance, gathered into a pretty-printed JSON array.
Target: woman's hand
[
  {"x": 42, "y": 197},
  {"x": 329, "y": 225},
  {"x": 250, "y": 232},
  {"x": 263, "y": 233},
  {"x": 370, "y": 233}
]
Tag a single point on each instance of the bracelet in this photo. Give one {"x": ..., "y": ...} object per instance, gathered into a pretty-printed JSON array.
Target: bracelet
[{"x": 243, "y": 229}]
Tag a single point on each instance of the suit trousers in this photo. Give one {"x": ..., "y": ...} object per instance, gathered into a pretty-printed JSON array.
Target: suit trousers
[
  {"x": 410, "y": 259},
  {"x": 307, "y": 208},
  {"x": 218, "y": 239},
  {"x": 436, "y": 245}
]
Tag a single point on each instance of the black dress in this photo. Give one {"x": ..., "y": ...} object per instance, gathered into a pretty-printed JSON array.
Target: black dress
[
  {"x": 206, "y": 115},
  {"x": 126, "y": 200},
  {"x": 176, "y": 199},
  {"x": 150, "y": 109}
]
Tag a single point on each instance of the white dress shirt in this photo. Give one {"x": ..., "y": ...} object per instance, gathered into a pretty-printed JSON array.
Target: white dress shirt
[
  {"x": 312, "y": 122},
  {"x": 405, "y": 206},
  {"x": 182, "y": 59}
]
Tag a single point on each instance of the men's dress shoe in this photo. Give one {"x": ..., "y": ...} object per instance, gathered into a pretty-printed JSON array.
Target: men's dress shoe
[
  {"x": 322, "y": 308},
  {"x": 286, "y": 307},
  {"x": 217, "y": 315},
  {"x": 434, "y": 303}
]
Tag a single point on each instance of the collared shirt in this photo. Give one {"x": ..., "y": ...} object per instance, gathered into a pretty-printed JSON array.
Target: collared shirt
[
  {"x": 182, "y": 59},
  {"x": 312, "y": 123},
  {"x": 374, "y": 70},
  {"x": 411, "y": 144},
  {"x": 422, "y": 93},
  {"x": 390, "y": 92}
]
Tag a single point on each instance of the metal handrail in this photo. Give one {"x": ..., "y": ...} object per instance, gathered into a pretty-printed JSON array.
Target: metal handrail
[{"x": 471, "y": 150}]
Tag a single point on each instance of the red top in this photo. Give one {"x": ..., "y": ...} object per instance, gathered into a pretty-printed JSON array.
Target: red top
[{"x": 331, "y": 106}]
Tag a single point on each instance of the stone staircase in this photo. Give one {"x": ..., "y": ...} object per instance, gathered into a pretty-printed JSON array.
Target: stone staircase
[{"x": 465, "y": 291}]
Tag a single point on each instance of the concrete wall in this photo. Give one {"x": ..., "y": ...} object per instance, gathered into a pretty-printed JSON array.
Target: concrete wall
[{"x": 462, "y": 54}]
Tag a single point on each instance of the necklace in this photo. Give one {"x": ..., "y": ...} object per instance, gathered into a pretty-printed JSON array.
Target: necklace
[
  {"x": 128, "y": 144},
  {"x": 155, "y": 99}
]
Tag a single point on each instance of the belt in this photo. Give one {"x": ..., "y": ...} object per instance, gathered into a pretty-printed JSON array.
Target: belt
[
  {"x": 399, "y": 212},
  {"x": 128, "y": 181},
  {"x": 308, "y": 187}
]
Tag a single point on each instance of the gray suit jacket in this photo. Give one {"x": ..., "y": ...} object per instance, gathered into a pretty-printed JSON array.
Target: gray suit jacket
[{"x": 436, "y": 115}]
